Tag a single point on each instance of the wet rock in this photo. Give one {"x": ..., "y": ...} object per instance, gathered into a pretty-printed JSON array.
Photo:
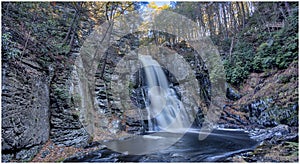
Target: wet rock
[
  {"x": 138, "y": 79},
  {"x": 45, "y": 153},
  {"x": 266, "y": 113},
  {"x": 94, "y": 144},
  {"x": 237, "y": 158},
  {"x": 232, "y": 94},
  {"x": 277, "y": 144},
  {"x": 27, "y": 154},
  {"x": 267, "y": 152},
  {"x": 51, "y": 146},
  {"x": 199, "y": 119},
  {"x": 285, "y": 152},
  {"x": 280, "y": 132},
  {"x": 115, "y": 126},
  {"x": 257, "y": 107},
  {"x": 139, "y": 96},
  {"x": 135, "y": 126},
  {"x": 7, "y": 157}
]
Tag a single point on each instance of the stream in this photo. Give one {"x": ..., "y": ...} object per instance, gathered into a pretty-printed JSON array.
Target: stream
[{"x": 219, "y": 145}]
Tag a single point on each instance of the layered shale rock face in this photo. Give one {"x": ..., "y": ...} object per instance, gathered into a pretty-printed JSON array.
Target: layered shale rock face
[
  {"x": 25, "y": 110},
  {"x": 272, "y": 97},
  {"x": 266, "y": 100},
  {"x": 38, "y": 100},
  {"x": 38, "y": 105},
  {"x": 66, "y": 128}
]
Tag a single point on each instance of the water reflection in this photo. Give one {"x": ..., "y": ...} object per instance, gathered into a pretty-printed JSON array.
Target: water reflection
[{"x": 216, "y": 147}]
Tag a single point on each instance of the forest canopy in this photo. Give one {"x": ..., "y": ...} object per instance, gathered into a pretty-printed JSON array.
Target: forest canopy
[{"x": 250, "y": 36}]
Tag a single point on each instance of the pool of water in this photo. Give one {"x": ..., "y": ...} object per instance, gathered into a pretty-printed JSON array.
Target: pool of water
[{"x": 218, "y": 145}]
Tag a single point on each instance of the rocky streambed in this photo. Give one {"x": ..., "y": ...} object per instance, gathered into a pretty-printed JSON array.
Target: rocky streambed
[{"x": 277, "y": 144}]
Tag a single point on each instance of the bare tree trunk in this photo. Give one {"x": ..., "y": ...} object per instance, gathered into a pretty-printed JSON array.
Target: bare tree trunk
[
  {"x": 244, "y": 15},
  {"x": 72, "y": 37},
  {"x": 240, "y": 18},
  {"x": 233, "y": 17},
  {"x": 225, "y": 21},
  {"x": 210, "y": 22},
  {"x": 26, "y": 43},
  {"x": 106, "y": 53},
  {"x": 250, "y": 8},
  {"x": 247, "y": 10},
  {"x": 218, "y": 7},
  {"x": 109, "y": 32},
  {"x": 231, "y": 47},
  {"x": 200, "y": 16},
  {"x": 71, "y": 26}
]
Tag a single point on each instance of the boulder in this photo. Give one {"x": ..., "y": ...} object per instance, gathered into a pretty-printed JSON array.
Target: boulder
[{"x": 232, "y": 94}]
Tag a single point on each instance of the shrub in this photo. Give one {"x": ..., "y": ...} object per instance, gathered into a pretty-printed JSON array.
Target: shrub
[
  {"x": 9, "y": 49},
  {"x": 262, "y": 50}
]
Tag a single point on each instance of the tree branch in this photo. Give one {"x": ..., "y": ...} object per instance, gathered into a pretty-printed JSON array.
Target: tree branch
[
  {"x": 26, "y": 43},
  {"x": 70, "y": 28},
  {"x": 231, "y": 47}
]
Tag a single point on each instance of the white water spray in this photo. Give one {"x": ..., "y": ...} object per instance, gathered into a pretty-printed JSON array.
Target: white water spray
[{"x": 165, "y": 112}]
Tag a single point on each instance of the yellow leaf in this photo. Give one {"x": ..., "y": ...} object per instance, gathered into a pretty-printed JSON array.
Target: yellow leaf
[{"x": 153, "y": 5}]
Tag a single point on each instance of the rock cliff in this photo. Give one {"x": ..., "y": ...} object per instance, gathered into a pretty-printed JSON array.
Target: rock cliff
[{"x": 25, "y": 109}]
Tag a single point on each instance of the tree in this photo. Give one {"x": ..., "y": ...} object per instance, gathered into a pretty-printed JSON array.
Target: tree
[{"x": 225, "y": 20}]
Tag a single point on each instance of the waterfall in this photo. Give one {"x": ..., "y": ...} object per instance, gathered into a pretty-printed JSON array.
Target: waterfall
[{"x": 165, "y": 111}]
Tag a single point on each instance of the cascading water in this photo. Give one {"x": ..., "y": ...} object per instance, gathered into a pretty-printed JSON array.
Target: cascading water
[{"x": 165, "y": 112}]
